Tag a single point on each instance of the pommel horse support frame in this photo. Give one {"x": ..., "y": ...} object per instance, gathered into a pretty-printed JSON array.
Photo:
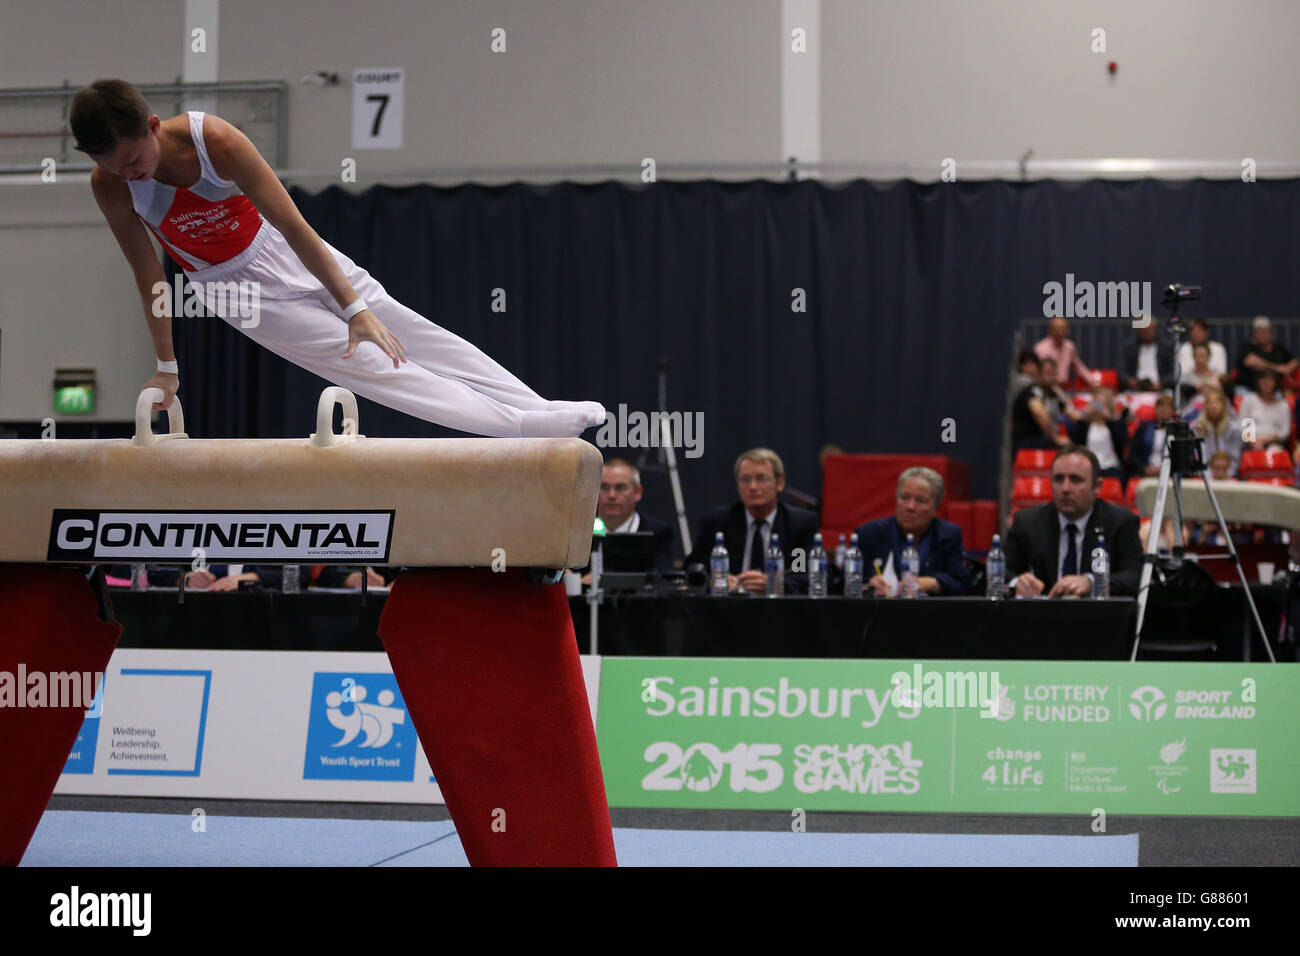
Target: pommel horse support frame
[{"x": 481, "y": 645}]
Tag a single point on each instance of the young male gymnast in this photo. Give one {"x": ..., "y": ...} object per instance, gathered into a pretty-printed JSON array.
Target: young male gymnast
[{"x": 218, "y": 209}]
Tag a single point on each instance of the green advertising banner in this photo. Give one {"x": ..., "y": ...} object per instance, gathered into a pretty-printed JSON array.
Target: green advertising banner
[{"x": 951, "y": 736}]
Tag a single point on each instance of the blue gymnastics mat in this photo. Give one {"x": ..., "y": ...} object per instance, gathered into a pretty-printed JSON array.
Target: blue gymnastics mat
[{"x": 90, "y": 838}]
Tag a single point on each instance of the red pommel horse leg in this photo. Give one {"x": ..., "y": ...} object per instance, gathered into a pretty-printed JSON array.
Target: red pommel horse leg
[
  {"x": 50, "y": 625},
  {"x": 488, "y": 666}
]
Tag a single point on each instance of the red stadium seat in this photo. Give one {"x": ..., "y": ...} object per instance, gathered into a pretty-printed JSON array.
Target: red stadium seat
[
  {"x": 960, "y": 513},
  {"x": 1107, "y": 377},
  {"x": 1131, "y": 494},
  {"x": 985, "y": 518},
  {"x": 1266, "y": 464},
  {"x": 1133, "y": 424},
  {"x": 1033, "y": 462},
  {"x": 1030, "y": 491},
  {"x": 1146, "y": 413},
  {"x": 1111, "y": 490}
]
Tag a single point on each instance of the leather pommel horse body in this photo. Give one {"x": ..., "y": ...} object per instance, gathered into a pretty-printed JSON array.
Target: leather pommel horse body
[{"x": 482, "y": 647}]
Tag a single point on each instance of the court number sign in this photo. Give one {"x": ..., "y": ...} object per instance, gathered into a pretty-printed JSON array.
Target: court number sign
[{"x": 377, "y": 111}]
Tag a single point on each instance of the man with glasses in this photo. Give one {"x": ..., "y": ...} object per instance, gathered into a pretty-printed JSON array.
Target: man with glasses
[
  {"x": 620, "y": 492},
  {"x": 747, "y": 526}
]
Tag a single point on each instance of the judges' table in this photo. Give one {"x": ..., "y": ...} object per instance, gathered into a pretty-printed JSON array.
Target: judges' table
[
  {"x": 797, "y": 626},
  {"x": 686, "y": 625}
]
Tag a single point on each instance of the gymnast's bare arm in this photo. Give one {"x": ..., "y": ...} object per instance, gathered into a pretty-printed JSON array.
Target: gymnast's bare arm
[
  {"x": 114, "y": 198},
  {"x": 234, "y": 157}
]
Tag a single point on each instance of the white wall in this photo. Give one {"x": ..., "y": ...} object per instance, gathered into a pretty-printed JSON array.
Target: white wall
[{"x": 608, "y": 82}]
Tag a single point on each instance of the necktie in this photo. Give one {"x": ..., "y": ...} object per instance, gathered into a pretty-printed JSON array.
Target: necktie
[
  {"x": 1071, "y": 555},
  {"x": 757, "y": 555}
]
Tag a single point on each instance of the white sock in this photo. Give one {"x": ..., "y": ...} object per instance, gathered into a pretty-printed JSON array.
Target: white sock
[
  {"x": 594, "y": 411},
  {"x": 561, "y": 423}
]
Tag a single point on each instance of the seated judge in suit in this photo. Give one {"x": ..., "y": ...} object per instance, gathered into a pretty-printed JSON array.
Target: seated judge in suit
[
  {"x": 1049, "y": 546},
  {"x": 938, "y": 542},
  {"x": 747, "y": 525},
  {"x": 620, "y": 491}
]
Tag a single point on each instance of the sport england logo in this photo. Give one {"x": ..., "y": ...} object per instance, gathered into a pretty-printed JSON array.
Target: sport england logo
[
  {"x": 358, "y": 729},
  {"x": 1147, "y": 704},
  {"x": 250, "y": 537}
]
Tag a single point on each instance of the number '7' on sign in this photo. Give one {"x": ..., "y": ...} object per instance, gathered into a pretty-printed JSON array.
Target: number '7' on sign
[{"x": 377, "y": 107}]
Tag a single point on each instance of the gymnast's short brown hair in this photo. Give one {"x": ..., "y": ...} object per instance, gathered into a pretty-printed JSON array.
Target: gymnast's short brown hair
[{"x": 105, "y": 112}]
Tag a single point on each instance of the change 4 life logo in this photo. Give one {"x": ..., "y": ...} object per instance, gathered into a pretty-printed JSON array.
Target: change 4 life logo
[
  {"x": 1232, "y": 770},
  {"x": 359, "y": 729}
]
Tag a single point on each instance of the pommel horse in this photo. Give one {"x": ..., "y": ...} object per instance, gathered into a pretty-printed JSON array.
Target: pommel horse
[{"x": 480, "y": 640}]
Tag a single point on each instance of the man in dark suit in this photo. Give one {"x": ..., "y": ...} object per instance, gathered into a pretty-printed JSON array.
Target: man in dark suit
[
  {"x": 1148, "y": 360},
  {"x": 620, "y": 491},
  {"x": 938, "y": 542},
  {"x": 747, "y": 526},
  {"x": 1049, "y": 546},
  {"x": 1148, "y": 443}
]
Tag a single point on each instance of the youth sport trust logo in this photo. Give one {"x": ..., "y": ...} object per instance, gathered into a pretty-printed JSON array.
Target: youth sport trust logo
[
  {"x": 358, "y": 729},
  {"x": 1232, "y": 770}
]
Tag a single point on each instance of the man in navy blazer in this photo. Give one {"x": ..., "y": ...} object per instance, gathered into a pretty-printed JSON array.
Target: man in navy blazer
[
  {"x": 748, "y": 525},
  {"x": 1049, "y": 547},
  {"x": 938, "y": 542}
]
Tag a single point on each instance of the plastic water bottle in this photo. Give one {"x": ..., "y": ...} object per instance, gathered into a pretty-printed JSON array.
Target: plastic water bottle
[
  {"x": 840, "y": 553},
  {"x": 719, "y": 567},
  {"x": 997, "y": 569},
  {"x": 775, "y": 568},
  {"x": 140, "y": 577},
  {"x": 907, "y": 583},
  {"x": 1100, "y": 569},
  {"x": 853, "y": 569},
  {"x": 818, "y": 568},
  {"x": 289, "y": 584}
]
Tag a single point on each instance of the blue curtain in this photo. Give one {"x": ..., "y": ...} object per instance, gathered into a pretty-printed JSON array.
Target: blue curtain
[{"x": 911, "y": 293}]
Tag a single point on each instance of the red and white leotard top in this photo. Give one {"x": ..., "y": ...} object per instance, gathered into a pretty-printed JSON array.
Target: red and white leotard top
[{"x": 201, "y": 225}]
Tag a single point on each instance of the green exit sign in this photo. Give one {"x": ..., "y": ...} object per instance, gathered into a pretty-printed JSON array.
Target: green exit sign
[{"x": 74, "y": 399}]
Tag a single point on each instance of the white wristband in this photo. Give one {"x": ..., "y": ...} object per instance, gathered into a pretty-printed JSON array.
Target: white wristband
[
  {"x": 354, "y": 308},
  {"x": 172, "y": 367}
]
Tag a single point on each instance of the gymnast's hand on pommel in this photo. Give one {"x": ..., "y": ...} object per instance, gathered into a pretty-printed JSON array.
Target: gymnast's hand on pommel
[
  {"x": 168, "y": 382},
  {"x": 364, "y": 327}
]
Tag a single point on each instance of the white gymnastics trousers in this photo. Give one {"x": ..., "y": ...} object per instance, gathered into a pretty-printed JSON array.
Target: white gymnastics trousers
[{"x": 446, "y": 380}]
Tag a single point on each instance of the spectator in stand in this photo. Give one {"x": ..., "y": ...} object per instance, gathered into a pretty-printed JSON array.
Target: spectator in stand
[
  {"x": 1221, "y": 467},
  {"x": 1028, "y": 368},
  {"x": 1193, "y": 387},
  {"x": 1220, "y": 429},
  {"x": 1148, "y": 444},
  {"x": 1198, "y": 333},
  {"x": 1148, "y": 361},
  {"x": 1265, "y": 414},
  {"x": 1261, "y": 353},
  {"x": 1104, "y": 432},
  {"x": 1058, "y": 346},
  {"x": 1035, "y": 413}
]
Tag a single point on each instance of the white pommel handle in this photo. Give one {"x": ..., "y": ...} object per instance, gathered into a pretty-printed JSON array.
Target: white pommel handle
[
  {"x": 325, "y": 436},
  {"x": 144, "y": 404}
]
